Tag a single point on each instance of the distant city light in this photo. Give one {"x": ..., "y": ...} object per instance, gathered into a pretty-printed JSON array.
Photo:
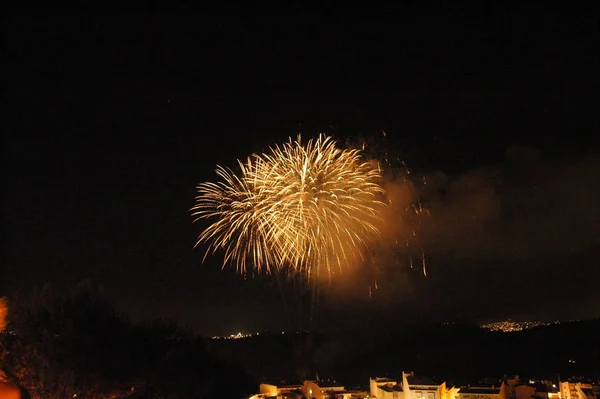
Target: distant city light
[
  {"x": 239, "y": 335},
  {"x": 512, "y": 326}
]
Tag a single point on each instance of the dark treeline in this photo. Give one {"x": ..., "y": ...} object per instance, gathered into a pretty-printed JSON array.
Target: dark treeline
[{"x": 65, "y": 346}]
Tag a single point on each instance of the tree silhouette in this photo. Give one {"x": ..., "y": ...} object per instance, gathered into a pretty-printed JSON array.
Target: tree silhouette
[{"x": 78, "y": 346}]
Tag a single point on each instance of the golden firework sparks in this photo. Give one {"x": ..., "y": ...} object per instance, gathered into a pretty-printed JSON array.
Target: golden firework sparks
[{"x": 308, "y": 208}]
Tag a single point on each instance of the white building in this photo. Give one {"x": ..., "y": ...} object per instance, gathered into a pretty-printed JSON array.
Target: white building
[
  {"x": 309, "y": 389},
  {"x": 409, "y": 387},
  {"x": 385, "y": 388},
  {"x": 576, "y": 390},
  {"x": 483, "y": 391},
  {"x": 277, "y": 391}
]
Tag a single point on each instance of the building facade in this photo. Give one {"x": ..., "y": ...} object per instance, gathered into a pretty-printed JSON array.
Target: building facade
[
  {"x": 409, "y": 387},
  {"x": 483, "y": 392}
]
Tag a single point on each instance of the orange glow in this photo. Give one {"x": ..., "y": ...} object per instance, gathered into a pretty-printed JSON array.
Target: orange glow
[
  {"x": 3, "y": 313},
  {"x": 8, "y": 391}
]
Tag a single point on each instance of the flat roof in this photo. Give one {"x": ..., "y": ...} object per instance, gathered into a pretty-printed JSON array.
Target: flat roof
[
  {"x": 495, "y": 390},
  {"x": 383, "y": 379},
  {"x": 420, "y": 381},
  {"x": 392, "y": 388}
]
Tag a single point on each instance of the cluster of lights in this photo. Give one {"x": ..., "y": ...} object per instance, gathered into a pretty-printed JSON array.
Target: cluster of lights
[
  {"x": 243, "y": 335},
  {"x": 511, "y": 326},
  {"x": 236, "y": 336}
]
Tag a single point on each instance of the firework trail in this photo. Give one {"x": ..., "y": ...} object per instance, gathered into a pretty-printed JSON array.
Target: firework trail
[
  {"x": 306, "y": 208},
  {"x": 400, "y": 241}
]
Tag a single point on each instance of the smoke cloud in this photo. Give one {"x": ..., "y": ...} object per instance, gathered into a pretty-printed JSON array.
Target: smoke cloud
[
  {"x": 517, "y": 240},
  {"x": 523, "y": 209}
]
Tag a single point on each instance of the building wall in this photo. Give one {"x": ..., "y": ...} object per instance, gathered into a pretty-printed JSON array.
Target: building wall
[
  {"x": 268, "y": 389},
  {"x": 372, "y": 387},
  {"x": 389, "y": 394},
  {"x": 312, "y": 390},
  {"x": 572, "y": 390},
  {"x": 425, "y": 394},
  {"x": 524, "y": 392},
  {"x": 452, "y": 393},
  {"x": 504, "y": 391},
  {"x": 377, "y": 391},
  {"x": 583, "y": 395},
  {"x": 408, "y": 394},
  {"x": 564, "y": 390},
  {"x": 479, "y": 396}
]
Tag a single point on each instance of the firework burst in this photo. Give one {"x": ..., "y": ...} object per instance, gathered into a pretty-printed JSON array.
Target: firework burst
[{"x": 308, "y": 208}]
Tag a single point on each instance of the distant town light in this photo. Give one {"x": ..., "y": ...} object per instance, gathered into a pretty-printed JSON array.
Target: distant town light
[{"x": 512, "y": 326}]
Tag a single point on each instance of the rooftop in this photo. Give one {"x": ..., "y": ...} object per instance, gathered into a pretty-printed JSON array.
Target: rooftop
[
  {"x": 384, "y": 379},
  {"x": 488, "y": 390},
  {"x": 420, "y": 381},
  {"x": 391, "y": 388},
  {"x": 540, "y": 387}
]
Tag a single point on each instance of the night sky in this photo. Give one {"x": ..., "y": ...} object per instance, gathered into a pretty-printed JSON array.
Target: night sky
[{"x": 112, "y": 121}]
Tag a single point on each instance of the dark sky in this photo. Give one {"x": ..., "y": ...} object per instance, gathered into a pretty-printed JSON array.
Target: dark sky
[{"x": 112, "y": 121}]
